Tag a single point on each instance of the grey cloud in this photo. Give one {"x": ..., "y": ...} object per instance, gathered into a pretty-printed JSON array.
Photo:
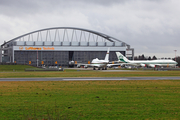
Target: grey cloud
[
  {"x": 147, "y": 25},
  {"x": 23, "y": 7},
  {"x": 17, "y": 7}
]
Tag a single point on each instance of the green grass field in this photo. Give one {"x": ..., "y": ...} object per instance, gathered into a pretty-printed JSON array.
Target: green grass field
[
  {"x": 64, "y": 100},
  {"x": 88, "y": 74},
  {"x": 90, "y": 100},
  {"x": 14, "y": 68}
]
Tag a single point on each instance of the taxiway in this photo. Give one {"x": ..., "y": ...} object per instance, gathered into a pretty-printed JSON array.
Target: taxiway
[{"x": 89, "y": 78}]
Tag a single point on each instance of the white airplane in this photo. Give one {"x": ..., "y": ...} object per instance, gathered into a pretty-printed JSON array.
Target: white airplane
[
  {"x": 96, "y": 63},
  {"x": 146, "y": 63}
]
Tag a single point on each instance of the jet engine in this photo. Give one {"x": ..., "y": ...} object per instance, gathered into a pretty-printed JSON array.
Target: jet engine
[
  {"x": 143, "y": 65},
  {"x": 153, "y": 66}
]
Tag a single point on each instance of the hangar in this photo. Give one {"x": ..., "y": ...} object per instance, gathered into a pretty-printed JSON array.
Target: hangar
[{"x": 59, "y": 46}]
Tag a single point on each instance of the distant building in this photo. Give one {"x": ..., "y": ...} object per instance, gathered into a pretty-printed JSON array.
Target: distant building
[{"x": 58, "y": 46}]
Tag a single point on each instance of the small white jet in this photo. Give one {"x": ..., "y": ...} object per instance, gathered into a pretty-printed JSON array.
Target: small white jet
[
  {"x": 96, "y": 63},
  {"x": 146, "y": 63}
]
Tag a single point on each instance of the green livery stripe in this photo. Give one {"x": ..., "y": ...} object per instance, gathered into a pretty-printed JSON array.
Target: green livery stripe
[{"x": 123, "y": 60}]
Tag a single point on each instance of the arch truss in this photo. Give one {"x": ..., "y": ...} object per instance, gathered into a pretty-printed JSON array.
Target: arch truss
[{"x": 69, "y": 34}]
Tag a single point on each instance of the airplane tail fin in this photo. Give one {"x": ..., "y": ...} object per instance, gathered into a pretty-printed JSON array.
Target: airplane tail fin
[
  {"x": 122, "y": 58},
  {"x": 107, "y": 55}
]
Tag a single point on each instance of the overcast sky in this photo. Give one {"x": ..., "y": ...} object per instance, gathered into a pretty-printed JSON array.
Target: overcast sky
[{"x": 151, "y": 27}]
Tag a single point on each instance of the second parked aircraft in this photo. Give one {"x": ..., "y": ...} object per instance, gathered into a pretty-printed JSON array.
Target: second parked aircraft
[{"x": 146, "y": 63}]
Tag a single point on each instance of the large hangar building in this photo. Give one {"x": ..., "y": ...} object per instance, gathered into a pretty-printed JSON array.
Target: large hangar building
[{"x": 60, "y": 45}]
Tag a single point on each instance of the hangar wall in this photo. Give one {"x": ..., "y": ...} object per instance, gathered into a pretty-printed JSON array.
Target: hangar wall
[{"x": 60, "y": 55}]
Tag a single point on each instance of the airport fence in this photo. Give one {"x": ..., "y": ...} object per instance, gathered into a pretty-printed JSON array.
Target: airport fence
[{"x": 44, "y": 69}]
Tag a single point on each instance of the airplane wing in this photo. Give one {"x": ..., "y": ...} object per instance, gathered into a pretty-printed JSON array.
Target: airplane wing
[
  {"x": 130, "y": 64},
  {"x": 82, "y": 64},
  {"x": 111, "y": 65}
]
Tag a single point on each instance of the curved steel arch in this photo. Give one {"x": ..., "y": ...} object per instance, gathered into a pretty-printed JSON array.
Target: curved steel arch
[{"x": 107, "y": 37}]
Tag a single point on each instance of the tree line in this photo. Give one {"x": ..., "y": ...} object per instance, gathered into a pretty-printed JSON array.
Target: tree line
[{"x": 177, "y": 60}]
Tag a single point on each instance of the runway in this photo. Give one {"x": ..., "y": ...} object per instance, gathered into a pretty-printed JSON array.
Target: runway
[{"x": 89, "y": 78}]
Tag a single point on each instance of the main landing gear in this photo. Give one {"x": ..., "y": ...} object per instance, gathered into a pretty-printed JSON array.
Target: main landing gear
[
  {"x": 104, "y": 68},
  {"x": 94, "y": 68}
]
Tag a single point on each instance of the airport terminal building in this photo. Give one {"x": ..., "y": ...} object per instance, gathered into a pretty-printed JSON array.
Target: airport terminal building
[{"x": 58, "y": 46}]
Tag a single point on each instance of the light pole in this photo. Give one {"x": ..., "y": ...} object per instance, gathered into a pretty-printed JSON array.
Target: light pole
[
  {"x": 175, "y": 54},
  {"x": 37, "y": 58}
]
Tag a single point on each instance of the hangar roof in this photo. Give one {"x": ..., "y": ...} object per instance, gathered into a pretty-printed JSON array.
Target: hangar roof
[{"x": 65, "y": 34}]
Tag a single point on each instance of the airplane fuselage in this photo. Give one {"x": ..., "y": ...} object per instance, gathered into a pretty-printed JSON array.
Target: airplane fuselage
[
  {"x": 144, "y": 63},
  {"x": 99, "y": 63},
  {"x": 154, "y": 63}
]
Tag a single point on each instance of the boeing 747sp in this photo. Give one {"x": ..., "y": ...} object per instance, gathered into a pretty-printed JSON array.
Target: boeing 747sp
[
  {"x": 146, "y": 63},
  {"x": 96, "y": 63}
]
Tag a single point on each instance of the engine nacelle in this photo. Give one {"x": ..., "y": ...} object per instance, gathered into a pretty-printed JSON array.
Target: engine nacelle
[
  {"x": 153, "y": 66},
  {"x": 143, "y": 65}
]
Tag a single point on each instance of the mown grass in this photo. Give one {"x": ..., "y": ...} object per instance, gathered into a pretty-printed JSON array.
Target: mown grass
[
  {"x": 14, "y": 68},
  {"x": 88, "y": 74},
  {"x": 90, "y": 100}
]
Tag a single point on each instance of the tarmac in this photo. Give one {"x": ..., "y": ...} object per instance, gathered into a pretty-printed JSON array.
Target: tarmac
[{"x": 89, "y": 78}]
